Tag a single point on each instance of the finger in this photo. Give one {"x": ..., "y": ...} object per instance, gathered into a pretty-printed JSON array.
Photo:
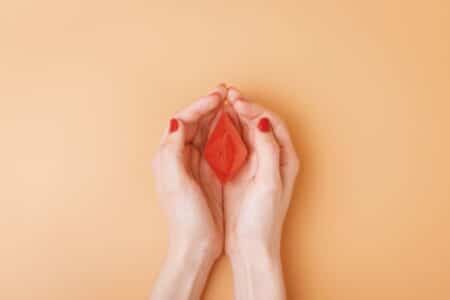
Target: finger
[
  {"x": 233, "y": 116},
  {"x": 201, "y": 111},
  {"x": 234, "y": 94},
  {"x": 248, "y": 110},
  {"x": 172, "y": 155},
  {"x": 195, "y": 163},
  {"x": 267, "y": 151},
  {"x": 288, "y": 157},
  {"x": 221, "y": 89},
  {"x": 200, "y": 108}
]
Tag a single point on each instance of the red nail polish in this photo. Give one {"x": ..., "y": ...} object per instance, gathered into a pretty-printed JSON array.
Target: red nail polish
[
  {"x": 264, "y": 125},
  {"x": 173, "y": 125}
]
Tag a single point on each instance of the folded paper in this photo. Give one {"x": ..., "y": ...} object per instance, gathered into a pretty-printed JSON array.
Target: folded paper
[{"x": 225, "y": 151}]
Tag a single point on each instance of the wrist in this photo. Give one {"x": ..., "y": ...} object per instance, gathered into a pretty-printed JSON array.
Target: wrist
[
  {"x": 257, "y": 264},
  {"x": 196, "y": 250},
  {"x": 254, "y": 250},
  {"x": 186, "y": 267},
  {"x": 244, "y": 244}
]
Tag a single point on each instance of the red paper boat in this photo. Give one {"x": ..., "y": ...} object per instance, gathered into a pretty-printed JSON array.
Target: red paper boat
[{"x": 225, "y": 151}]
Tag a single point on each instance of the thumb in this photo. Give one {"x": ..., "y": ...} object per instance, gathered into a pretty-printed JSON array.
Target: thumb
[
  {"x": 172, "y": 154},
  {"x": 175, "y": 135},
  {"x": 267, "y": 150}
]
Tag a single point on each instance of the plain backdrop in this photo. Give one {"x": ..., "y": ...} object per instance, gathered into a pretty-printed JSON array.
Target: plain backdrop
[{"x": 88, "y": 86}]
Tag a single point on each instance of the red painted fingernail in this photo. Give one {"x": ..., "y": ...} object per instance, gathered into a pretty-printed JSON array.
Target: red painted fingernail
[
  {"x": 173, "y": 125},
  {"x": 264, "y": 125}
]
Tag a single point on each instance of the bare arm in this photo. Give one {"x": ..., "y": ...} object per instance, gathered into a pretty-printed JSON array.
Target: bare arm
[
  {"x": 191, "y": 200},
  {"x": 257, "y": 273},
  {"x": 256, "y": 203},
  {"x": 185, "y": 271}
]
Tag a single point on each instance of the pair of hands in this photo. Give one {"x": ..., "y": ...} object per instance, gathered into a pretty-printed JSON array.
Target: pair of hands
[{"x": 244, "y": 216}]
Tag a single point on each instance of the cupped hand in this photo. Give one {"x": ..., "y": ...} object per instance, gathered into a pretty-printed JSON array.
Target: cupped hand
[
  {"x": 257, "y": 199},
  {"x": 190, "y": 194}
]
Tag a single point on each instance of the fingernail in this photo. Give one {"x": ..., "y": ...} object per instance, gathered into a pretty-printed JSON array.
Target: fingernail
[
  {"x": 264, "y": 125},
  {"x": 215, "y": 94},
  {"x": 173, "y": 125}
]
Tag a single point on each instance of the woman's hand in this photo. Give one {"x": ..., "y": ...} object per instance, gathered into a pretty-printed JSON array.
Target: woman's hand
[
  {"x": 191, "y": 197},
  {"x": 256, "y": 202}
]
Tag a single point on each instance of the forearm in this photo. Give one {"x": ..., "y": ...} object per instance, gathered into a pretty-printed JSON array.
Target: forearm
[
  {"x": 184, "y": 273},
  {"x": 257, "y": 272}
]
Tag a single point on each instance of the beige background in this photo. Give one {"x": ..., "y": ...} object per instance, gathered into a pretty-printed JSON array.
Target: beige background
[{"x": 86, "y": 88}]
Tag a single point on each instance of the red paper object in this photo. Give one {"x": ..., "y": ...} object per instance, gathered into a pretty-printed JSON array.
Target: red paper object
[{"x": 225, "y": 151}]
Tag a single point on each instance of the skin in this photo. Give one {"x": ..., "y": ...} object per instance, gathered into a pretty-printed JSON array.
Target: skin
[{"x": 244, "y": 217}]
